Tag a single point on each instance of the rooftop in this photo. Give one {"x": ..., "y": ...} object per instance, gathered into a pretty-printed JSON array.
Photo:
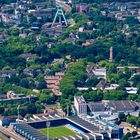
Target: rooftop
[
  {"x": 96, "y": 106},
  {"x": 80, "y": 99},
  {"x": 84, "y": 123},
  {"x": 27, "y": 129},
  {"x": 124, "y": 105}
]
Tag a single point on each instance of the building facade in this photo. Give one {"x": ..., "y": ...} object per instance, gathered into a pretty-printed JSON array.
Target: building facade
[{"x": 80, "y": 105}]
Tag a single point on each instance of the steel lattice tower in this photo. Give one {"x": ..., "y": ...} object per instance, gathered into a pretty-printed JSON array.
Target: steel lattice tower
[{"x": 60, "y": 14}]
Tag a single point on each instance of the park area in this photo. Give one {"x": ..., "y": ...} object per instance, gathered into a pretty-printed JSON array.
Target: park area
[{"x": 57, "y": 132}]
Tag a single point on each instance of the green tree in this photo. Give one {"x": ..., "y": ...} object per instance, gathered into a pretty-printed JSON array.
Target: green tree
[
  {"x": 122, "y": 116},
  {"x": 139, "y": 113},
  {"x": 1, "y": 109},
  {"x": 39, "y": 108},
  {"x": 24, "y": 83},
  {"x": 134, "y": 133},
  {"x": 22, "y": 112},
  {"x": 126, "y": 137},
  {"x": 137, "y": 41},
  {"x": 138, "y": 122},
  {"x": 92, "y": 82},
  {"x": 123, "y": 83},
  {"x": 41, "y": 85},
  {"x": 117, "y": 122},
  {"x": 115, "y": 95},
  {"x": 131, "y": 120},
  {"x": 31, "y": 109},
  {"x": 14, "y": 31}
]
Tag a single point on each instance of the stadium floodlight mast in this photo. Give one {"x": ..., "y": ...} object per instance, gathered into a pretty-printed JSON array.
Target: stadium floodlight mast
[
  {"x": 48, "y": 123},
  {"x": 18, "y": 112}
]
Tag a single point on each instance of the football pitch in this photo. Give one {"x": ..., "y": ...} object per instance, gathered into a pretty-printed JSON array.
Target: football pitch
[{"x": 57, "y": 132}]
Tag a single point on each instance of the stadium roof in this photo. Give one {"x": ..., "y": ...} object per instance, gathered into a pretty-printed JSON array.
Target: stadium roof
[
  {"x": 84, "y": 123},
  {"x": 26, "y": 129}
]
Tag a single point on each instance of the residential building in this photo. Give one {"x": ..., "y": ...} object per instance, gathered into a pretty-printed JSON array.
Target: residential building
[
  {"x": 28, "y": 56},
  {"x": 6, "y": 120},
  {"x": 134, "y": 69},
  {"x": 42, "y": 5},
  {"x": 99, "y": 72},
  {"x": 53, "y": 82},
  {"x": 43, "y": 13},
  {"x": 131, "y": 90},
  {"x": 11, "y": 94},
  {"x": 19, "y": 100},
  {"x": 80, "y": 105},
  {"x": 8, "y": 73},
  {"x": 101, "y": 85},
  {"x": 82, "y": 8}
]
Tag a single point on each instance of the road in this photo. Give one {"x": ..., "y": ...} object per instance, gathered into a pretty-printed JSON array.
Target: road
[
  {"x": 9, "y": 133},
  {"x": 128, "y": 128},
  {"x": 66, "y": 7}
]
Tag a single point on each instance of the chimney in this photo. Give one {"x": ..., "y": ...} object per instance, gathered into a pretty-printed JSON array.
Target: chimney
[{"x": 111, "y": 55}]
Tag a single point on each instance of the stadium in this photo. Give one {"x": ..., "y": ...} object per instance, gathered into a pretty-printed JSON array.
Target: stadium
[
  {"x": 98, "y": 125},
  {"x": 68, "y": 128}
]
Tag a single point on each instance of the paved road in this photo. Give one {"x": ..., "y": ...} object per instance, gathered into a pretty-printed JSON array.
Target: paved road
[
  {"x": 128, "y": 128},
  {"x": 3, "y": 137},
  {"x": 9, "y": 133}
]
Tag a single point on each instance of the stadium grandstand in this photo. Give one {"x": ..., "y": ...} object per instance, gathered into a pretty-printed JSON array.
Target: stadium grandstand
[
  {"x": 87, "y": 125},
  {"x": 28, "y": 132},
  {"x": 31, "y": 129},
  {"x": 82, "y": 127}
]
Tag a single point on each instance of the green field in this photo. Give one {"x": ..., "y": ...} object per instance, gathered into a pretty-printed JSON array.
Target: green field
[{"x": 57, "y": 132}]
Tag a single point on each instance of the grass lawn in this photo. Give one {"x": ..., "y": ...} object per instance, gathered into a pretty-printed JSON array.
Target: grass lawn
[{"x": 58, "y": 132}]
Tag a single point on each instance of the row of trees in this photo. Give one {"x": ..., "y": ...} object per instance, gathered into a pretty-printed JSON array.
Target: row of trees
[
  {"x": 133, "y": 120},
  {"x": 27, "y": 81},
  {"x": 26, "y": 108},
  {"x": 102, "y": 1}
]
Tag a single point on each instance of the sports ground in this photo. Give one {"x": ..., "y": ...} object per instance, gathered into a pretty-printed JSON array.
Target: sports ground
[{"x": 57, "y": 132}]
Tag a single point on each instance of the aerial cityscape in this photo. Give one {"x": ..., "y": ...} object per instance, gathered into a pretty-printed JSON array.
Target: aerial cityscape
[{"x": 69, "y": 69}]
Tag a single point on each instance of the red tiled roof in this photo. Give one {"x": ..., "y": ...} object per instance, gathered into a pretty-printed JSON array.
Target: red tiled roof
[{"x": 52, "y": 81}]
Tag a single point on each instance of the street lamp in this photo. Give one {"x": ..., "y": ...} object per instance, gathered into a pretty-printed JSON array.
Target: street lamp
[
  {"x": 29, "y": 98},
  {"x": 48, "y": 125},
  {"x": 68, "y": 107}
]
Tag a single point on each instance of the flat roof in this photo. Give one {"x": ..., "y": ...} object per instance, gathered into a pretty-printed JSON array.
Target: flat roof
[
  {"x": 29, "y": 130},
  {"x": 80, "y": 99},
  {"x": 84, "y": 123},
  {"x": 131, "y": 67}
]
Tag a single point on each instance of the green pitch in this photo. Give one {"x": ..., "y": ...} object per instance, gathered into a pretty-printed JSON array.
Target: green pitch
[{"x": 58, "y": 132}]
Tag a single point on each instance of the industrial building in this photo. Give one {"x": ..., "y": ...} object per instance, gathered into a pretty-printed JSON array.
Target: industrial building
[
  {"x": 106, "y": 106},
  {"x": 103, "y": 114}
]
